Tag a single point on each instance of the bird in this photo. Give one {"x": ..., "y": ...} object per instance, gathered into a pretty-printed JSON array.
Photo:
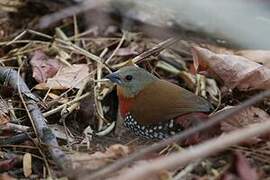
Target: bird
[{"x": 154, "y": 108}]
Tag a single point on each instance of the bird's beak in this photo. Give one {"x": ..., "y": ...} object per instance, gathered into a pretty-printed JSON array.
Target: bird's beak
[{"x": 114, "y": 77}]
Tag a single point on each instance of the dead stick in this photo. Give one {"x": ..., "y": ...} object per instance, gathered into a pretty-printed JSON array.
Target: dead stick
[
  {"x": 177, "y": 138},
  {"x": 199, "y": 151},
  {"x": 11, "y": 77},
  {"x": 156, "y": 49}
]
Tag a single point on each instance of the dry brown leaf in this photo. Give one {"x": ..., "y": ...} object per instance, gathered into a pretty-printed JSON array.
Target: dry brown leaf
[
  {"x": 235, "y": 71},
  {"x": 27, "y": 164},
  {"x": 241, "y": 169},
  {"x": 157, "y": 175},
  {"x": 43, "y": 66},
  {"x": 217, "y": 49},
  {"x": 67, "y": 77},
  {"x": 259, "y": 56},
  {"x": 6, "y": 165},
  {"x": 98, "y": 159},
  {"x": 247, "y": 117},
  {"x": 6, "y": 176}
]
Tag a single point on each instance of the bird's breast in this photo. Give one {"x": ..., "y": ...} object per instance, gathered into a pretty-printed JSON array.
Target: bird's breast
[
  {"x": 159, "y": 130},
  {"x": 125, "y": 104}
]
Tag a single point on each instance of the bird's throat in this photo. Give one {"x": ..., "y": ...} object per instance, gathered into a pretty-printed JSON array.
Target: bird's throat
[{"x": 125, "y": 104}]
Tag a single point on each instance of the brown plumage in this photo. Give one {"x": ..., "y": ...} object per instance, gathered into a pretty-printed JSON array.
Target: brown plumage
[
  {"x": 165, "y": 101},
  {"x": 155, "y": 108}
]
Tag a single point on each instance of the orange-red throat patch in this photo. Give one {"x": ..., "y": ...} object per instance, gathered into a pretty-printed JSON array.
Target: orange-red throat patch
[{"x": 125, "y": 103}]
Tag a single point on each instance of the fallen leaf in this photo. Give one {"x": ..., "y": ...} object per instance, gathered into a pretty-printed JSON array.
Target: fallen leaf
[
  {"x": 118, "y": 150},
  {"x": 6, "y": 176},
  {"x": 259, "y": 56},
  {"x": 240, "y": 169},
  {"x": 217, "y": 49},
  {"x": 8, "y": 164},
  {"x": 67, "y": 77},
  {"x": 27, "y": 164},
  {"x": 98, "y": 159},
  {"x": 43, "y": 66},
  {"x": 247, "y": 117},
  {"x": 243, "y": 168},
  {"x": 235, "y": 71},
  {"x": 61, "y": 100},
  {"x": 155, "y": 175}
]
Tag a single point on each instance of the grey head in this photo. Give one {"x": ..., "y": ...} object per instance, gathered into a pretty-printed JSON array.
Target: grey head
[{"x": 131, "y": 79}]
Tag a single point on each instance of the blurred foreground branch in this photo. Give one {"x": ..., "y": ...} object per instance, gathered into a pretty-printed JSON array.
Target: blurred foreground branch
[
  {"x": 217, "y": 19},
  {"x": 102, "y": 172},
  {"x": 196, "y": 152}
]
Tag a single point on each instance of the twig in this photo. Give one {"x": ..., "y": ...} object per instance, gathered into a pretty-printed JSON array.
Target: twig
[
  {"x": 43, "y": 131},
  {"x": 17, "y": 127},
  {"x": 98, "y": 104},
  {"x": 183, "y": 174},
  {"x": 102, "y": 172},
  {"x": 35, "y": 121},
  {"x": 17, "y": 139},
  {"x": 69, "y": 45},
  {"x": 156, "y": 49},
  {"x": 117, "y": 48},
  {"x": 196, "y": 152},
  {"x": 59, "y": 108}
]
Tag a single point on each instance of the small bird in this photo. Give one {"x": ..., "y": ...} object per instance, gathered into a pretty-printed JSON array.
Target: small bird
[{"x": 155, "y": 108}]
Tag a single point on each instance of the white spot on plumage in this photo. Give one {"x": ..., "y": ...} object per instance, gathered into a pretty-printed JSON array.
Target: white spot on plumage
[
  {"x": 158, "y": 131},
  {"x": 161, "y": 136},
  {"x": 171, "y": 123}
]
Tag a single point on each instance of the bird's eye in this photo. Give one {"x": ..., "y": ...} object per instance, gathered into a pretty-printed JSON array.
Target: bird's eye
[{"x": 128, "y": 77}]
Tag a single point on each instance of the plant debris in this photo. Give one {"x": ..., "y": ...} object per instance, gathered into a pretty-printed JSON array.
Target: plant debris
[{"x": 59, "y": 116}]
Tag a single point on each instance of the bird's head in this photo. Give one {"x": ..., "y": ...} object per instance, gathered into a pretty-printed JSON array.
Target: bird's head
[{"x": 131, "y": 80}]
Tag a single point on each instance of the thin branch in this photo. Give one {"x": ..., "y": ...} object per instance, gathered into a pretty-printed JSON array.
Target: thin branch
[
  {"x": 156, "y": 49},
  {"x": 184, "y": 173},
  {"x": 59, "y": 108},
  {"x": 117, "y": 48},
  {"x": 199, "y": 151},
  {"x": 102, "y": 172},
  {"x": 43, "y": 131}
]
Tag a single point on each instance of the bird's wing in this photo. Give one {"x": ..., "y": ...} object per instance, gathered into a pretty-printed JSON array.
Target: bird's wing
[{"x": 162, "y": 101}]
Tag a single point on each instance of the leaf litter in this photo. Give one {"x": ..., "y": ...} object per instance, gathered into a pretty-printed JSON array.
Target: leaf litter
[{"x": 66, "y": 67}]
